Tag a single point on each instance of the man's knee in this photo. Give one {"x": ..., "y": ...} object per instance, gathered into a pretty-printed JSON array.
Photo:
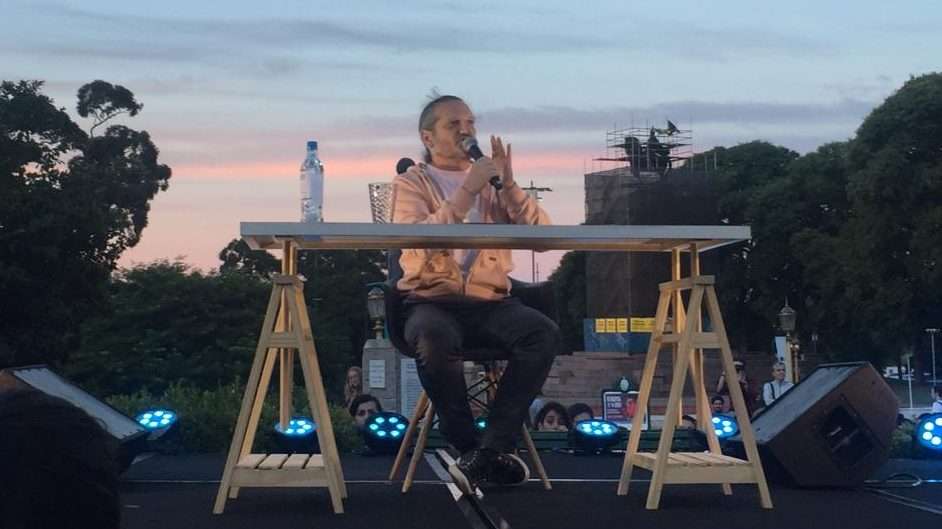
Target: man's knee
[
  {"x": 435, "y": 347},
  {"x": 549, "y": 339}
]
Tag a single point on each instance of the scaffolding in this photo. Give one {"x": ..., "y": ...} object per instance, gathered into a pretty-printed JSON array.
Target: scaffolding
[
  {"x": 645, "y": 153},
  {"x": 632, "y": 184}
]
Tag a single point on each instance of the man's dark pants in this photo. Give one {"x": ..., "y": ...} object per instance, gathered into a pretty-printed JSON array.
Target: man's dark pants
[{"x": 447, "y": 331}]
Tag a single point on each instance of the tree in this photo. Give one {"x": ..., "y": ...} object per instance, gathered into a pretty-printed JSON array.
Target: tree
[
  {"x": 103, "y": 101},
  {"x": 166, "y": 324},
  {"x": 752, "y": 277},
  {"x": 238, "y": 257},
  {"x": 895, "y": 191},
  {"x": 820, "y": 294},
  {"x": 335, "y": 292},
  {"x": 569, "y": 284},
  {"x": 71, "y": 205}
]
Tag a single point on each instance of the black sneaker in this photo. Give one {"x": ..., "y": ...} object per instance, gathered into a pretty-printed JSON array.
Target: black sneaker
[
  {"x": 507, "y": 470},
  {"x": 472, "y": 468}
]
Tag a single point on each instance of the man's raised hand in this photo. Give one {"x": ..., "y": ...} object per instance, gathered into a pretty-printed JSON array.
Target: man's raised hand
[{"x": 502, "y": 160}]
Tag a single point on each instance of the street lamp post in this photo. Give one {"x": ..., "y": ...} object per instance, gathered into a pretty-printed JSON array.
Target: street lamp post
[
  {"x": 376, "y": 306},
  {"x": 932, "y": 332},
  {"x": 786, "y": 318},
  {"x": 909, "y": 370}
]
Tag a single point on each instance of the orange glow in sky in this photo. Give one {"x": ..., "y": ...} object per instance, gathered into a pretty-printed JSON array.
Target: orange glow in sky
[{"x": 375, "y": 166}]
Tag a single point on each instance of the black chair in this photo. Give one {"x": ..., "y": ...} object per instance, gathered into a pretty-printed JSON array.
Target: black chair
[{"x": 539, "y": 296}]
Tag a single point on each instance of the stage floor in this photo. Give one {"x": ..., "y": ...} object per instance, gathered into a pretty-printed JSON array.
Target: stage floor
[{"x": 178, "y": 491}]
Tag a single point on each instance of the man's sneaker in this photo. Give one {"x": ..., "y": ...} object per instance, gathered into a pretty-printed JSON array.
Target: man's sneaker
[
  {"x": 472, "y": 468},
  {"x": 508, "y": 469}
]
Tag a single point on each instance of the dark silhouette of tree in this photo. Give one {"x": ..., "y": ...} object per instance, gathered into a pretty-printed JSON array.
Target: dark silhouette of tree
[
  {"x": 102, "y": 101},
  {"x": 335, "y": 292},
  {"x": 238, "y": 257},
  {"x": 71, "y": 205},
  {"x": 895, "y": 194},
  {"x": 166, "y": 323},
  {"x": 569, "y": 284}
]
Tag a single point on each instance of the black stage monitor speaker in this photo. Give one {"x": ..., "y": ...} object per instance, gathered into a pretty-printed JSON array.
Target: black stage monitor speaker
[
  {"x": 130, "y": 435},
  {"x": 831, "y": 430}
]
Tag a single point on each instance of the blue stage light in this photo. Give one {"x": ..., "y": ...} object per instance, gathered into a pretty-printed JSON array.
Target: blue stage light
[
  {"x": 157, "y": 421},
  {"x": 298, "y": 436},
  {"x": 297, "y": 427},
  {"x": 481, "y": 423},
  {"x": 383, "y": 432},
  {"x": 594, "y": 436},
  {"x": 928, "y": 431},
  {"x": 725, "y": 426}
]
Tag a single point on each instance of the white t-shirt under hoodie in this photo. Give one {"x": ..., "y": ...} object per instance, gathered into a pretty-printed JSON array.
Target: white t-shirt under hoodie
[{"x": 449, "y": 182}]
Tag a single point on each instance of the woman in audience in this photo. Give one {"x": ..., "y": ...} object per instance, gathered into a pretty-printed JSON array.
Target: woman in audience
[
  {"x": 580, "y": 411},
  {"x": 553, "y": 418},
  {"x": 353, "y": 386}
]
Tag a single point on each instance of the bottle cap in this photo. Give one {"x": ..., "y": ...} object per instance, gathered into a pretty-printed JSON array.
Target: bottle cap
[{"x": 312, "y": 145}]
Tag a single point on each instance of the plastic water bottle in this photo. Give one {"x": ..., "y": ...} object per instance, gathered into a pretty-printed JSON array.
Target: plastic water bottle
[{"x": 312, "y": 186}]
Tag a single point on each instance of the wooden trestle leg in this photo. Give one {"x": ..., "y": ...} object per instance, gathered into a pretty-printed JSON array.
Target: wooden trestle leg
[
  {"x": 690, "y": 340},
  {"x": 245, "y": 469}
]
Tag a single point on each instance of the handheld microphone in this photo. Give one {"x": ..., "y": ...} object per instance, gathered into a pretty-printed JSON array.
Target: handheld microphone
[
  {"x": 470, "y": 146},
  {"x": 403, "y": 165}
]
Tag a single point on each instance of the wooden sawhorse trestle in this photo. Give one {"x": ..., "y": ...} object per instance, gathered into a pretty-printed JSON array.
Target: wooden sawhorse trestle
[
  {"x": 287, "y": 329},
  {"x": 689, "y": 341}
]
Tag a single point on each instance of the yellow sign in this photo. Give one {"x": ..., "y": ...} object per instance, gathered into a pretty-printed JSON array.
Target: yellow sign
[
  {"x": 609, "y": 324},
  {"x": 642, "y": 324},
  {"x": 599, "y": 325},
  {"x": 622, "y": 324}
]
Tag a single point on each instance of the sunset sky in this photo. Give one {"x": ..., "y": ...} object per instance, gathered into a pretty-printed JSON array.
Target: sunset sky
[{"x": 233, "y": 90}]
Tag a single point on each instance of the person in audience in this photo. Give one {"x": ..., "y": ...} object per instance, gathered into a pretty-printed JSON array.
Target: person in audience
[
  {"x": 535, "y": 406},
  {"x": 688, "y": 422},
  {"x": 748, "y": 392},
  {"x": 936, "y": 399},
  {"x": 553, "y": 418},
  {"x": 579, "y": 411},
  {"x": 776, "y": 387},
  {"x": 717, "y": 404},
  {"x": 59, "y": 465},
  {"x": 353, "y": 386},
  {"x": 363, "y": 407}
]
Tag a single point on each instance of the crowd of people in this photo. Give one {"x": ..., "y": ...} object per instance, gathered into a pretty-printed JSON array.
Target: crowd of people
[
  {"x": 755, "y": 399},
  {"x": 552, "y": 416},
  {"x": 548, "y": 417}
]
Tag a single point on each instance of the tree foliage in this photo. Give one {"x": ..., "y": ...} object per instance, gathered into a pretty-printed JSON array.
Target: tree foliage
[
  {"x": 71, "y": 205},
  {"x": 102, "y": 101},
  {"x": 895, "y": 192},
  {"x": 238, "y": 257},
  {"x": 851, "y": 233},
  {"x": 167, "y": 324},
  {"x": 335, "y": 292},
  {"x": 569, "y": 283},
  {"x": 752, "y": 278}
]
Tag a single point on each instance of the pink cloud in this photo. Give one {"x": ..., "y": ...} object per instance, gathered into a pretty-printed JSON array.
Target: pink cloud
[{"x": 371, "y": 165}]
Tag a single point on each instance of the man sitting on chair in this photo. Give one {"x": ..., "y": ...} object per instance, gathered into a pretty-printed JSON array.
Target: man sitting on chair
[{"x": 460, "y": 299}]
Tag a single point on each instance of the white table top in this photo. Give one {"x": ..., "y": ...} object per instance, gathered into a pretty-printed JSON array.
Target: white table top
[{"x": 365, "y": 235}]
